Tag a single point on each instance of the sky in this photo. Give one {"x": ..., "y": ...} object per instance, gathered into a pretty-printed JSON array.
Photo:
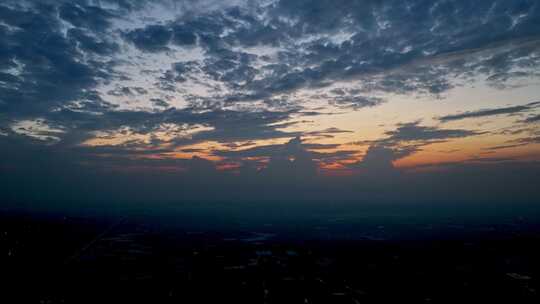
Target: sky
[{"x": 362, "y": 100}]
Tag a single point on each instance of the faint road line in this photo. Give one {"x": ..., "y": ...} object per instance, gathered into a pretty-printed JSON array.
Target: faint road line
[{"x": 79, "y": 253}]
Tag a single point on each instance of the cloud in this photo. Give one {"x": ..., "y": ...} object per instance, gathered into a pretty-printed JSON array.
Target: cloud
[
  {"x": 349, "y": 98},
  {"x": 293, "y": 148},
  {"x": 283, "y": 163},
  {"x": 503, "y": 147},
  {"x": 529, "y": 140},
  {"x": 65, "y": 177},
  {"x": 92, "y": 43},
  {"x": 50, "y": 68},
  {"x": 377, "y": 161},
  {"x": 37, "y": 129},
  {"x": 407, "y": 132},
  {"x": 531, "y": 119},
  {"x": 149, "y": 78},
  {"x": 254, "y": 51},
  {"x": 405, "y": 140},
  {"x": 85, "y": 16},
  {"x": 327, "y": 133},
  {"x": 491, "y": 112},
  {"x": 152, "y": 38}
]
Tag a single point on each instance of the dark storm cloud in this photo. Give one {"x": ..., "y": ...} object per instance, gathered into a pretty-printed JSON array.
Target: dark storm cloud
[{"x": 491, "y": 112}]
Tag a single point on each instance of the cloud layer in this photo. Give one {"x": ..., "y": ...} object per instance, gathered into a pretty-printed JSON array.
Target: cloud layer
[{"x": 255, "y": 88}]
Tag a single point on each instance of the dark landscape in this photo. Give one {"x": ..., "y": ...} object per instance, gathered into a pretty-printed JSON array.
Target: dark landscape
[{"x": 70, "y": 259}]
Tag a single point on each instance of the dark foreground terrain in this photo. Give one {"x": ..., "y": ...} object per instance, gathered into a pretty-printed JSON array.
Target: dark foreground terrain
[{"x": 60, "y": 259}]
